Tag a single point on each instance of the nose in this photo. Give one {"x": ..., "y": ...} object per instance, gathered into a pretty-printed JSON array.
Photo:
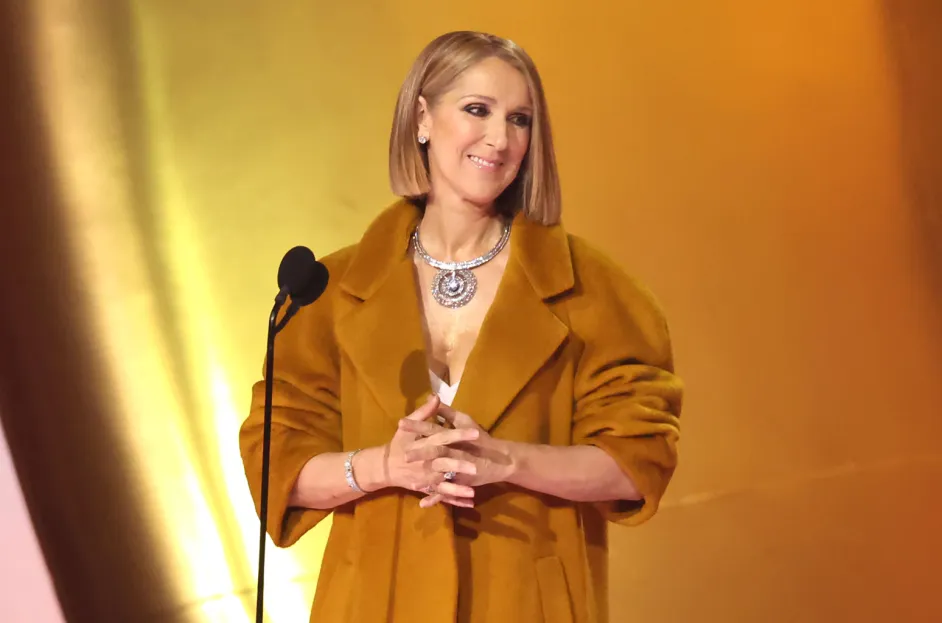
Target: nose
[{"x": 497, "y": 133}]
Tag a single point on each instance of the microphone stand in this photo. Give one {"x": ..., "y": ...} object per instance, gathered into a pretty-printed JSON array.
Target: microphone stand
[{"x": 273, "y": 329}]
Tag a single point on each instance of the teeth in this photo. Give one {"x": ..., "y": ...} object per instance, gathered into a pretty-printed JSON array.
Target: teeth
[{"x": 482, "y": 162}]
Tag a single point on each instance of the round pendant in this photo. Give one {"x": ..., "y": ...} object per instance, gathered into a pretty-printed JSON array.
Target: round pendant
[{"x": 454, "y": 288}]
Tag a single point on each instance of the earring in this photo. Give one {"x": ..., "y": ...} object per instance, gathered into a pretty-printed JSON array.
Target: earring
[{"x": 423, "y": 139}]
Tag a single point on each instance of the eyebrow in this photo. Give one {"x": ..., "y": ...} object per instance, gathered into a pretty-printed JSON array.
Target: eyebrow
[{"x": 491, "y": 100}]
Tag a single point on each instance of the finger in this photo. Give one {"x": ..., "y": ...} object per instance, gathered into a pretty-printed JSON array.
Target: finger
[
  {"x": 438, "y": 498},
  {"x": 430, "y": 500},
  {"x": 428, "y": 448},
  {"x": 454, "y": 490},
  {"x": 427, "y": 410},
  {"x": 449, "y": 464},
  {"x": 428, "y": 489},
  {"x": 422, "y": 450},
  {"x": 447, "y": 413},
  {"x": 424, "y": 453},
  {"x": 426, "y": 429},
  {"x": 447, "y": 437},
  {"x": 453, "y": 501},
  {"x": 457, "y": 418}
]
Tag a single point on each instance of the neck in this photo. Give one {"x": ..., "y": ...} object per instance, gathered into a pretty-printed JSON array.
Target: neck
[{"x": 459, "y": 232}]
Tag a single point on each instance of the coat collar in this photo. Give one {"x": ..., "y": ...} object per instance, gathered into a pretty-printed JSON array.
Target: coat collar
[
  {"x": 383, "y": 335},
  {"x": 543, "y": 252}
]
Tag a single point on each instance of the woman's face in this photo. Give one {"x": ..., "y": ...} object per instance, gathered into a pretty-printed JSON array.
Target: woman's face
[{"x": 478, "y": 132}]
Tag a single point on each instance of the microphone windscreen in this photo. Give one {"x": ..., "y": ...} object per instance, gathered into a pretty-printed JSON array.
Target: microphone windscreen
[{"x": 302, "y": 276}]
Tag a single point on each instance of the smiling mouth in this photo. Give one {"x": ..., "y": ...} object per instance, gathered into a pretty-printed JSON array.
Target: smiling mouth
[{"x": 481, "y": 163}]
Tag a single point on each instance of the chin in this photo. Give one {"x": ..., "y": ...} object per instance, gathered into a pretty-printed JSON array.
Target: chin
[
  {"x": 482, "y": 197},
  {"x": 481, "y": 201}
]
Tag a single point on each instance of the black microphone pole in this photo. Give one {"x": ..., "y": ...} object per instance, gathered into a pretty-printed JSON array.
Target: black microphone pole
[
  {"x": 266, "y": 449},
  {"x": 302, "y": 277}
]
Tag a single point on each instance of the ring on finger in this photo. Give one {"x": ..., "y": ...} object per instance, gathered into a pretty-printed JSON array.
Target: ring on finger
[
  {"x": 429, "y": 489},
  {"x": 449, "y": 476}
]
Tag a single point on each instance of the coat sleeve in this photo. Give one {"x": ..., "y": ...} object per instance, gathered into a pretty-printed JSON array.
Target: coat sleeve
[
  {"x": 627, "y": 397},
  {"x": 306, "y": 418}
]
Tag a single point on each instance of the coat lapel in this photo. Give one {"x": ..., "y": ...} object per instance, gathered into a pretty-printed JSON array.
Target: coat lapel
[
  {"x": 383, "y": 338},
  {"x": 520, "y": 333},
  {"x": 382, "y": 335}
]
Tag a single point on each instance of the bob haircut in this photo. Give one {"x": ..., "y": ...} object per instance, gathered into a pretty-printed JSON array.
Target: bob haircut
[{"x": 535, "y": 190}]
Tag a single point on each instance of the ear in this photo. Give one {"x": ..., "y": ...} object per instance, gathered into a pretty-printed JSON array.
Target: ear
[{"x": 423, "y": 116}]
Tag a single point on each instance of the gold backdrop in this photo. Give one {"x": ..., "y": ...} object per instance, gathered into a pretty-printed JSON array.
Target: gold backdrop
[{"x": 770, "y": 169}]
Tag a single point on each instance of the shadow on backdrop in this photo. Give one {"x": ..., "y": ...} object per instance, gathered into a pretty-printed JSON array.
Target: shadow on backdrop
[
  {"x": 90, "y": 524},
  {"x": 914, "y": 40}
]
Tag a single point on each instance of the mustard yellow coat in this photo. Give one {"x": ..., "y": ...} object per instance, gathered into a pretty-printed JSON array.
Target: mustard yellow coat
[{"x": 572, "y": 351}]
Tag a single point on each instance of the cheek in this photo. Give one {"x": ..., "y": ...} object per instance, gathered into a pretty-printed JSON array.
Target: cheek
[
  {"x": 519, "y": 145},
  {"x": 468, "y": 134}
]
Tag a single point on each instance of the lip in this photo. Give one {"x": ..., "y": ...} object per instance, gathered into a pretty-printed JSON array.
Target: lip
[{"x": 484, "y": 163}]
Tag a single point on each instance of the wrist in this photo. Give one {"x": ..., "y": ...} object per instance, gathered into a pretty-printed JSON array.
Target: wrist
[
  {"x": 516, "y": 458},
  {"x": 368, "y": 469}
]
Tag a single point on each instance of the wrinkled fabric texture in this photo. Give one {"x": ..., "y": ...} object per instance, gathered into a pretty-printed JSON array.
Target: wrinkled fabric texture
[{"x": 572, "y": 351}]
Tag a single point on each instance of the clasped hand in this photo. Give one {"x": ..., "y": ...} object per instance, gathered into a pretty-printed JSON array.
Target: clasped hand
[{"x": 422, "y": 453}]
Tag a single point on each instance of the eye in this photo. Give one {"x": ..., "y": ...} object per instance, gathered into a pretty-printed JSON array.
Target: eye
[
  {"x": 521, "y": 120},
  {"x": 478, "y": 110}
]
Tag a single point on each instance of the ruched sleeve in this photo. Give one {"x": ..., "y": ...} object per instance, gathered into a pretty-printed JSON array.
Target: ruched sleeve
[
  {"x": 627, "y": 397},
  {"x": 306, "y": 418}
]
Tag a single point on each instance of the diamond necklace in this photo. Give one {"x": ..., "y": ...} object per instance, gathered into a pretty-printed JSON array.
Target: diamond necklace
[{"x": 454, "y": 284}]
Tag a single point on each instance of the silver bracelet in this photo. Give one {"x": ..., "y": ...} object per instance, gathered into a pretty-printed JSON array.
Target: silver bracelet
[{"x": 348, "y": 472}]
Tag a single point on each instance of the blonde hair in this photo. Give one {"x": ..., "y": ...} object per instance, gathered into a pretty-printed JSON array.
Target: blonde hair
[{"x": 536, "y": 187}]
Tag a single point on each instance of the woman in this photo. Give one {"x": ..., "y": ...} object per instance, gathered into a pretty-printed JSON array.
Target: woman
[{"x": 471, "y": 426}]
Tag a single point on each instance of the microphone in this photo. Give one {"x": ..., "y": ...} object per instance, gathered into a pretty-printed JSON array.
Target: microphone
[{"x": 302, "y": 278}]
